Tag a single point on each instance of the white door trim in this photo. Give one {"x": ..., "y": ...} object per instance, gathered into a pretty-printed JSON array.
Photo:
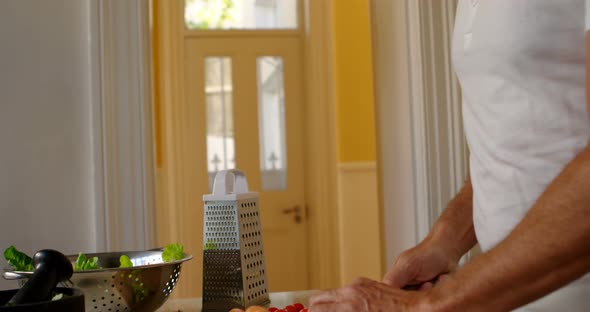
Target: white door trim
[
  {"x": 395, "y": 161},
  {"x": 439, "y": 146},
  {"x": 122, "y": 124},
  {"x": 418, "y": 113}
]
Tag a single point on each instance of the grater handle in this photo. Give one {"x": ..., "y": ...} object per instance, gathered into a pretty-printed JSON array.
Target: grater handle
[{"x": 230, "y": 181}]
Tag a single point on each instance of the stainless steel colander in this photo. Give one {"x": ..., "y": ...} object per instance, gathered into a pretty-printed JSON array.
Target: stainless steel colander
[{"x": 143, "y": 287}]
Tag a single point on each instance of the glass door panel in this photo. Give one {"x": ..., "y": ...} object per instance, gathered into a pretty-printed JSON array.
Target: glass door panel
[
  {"x": 241, "y": 14},
  {"x": 271, "y": 123},
  {"x": 220, "y": 126}
]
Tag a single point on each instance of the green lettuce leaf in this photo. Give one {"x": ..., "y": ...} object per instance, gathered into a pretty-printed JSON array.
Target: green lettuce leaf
[
  {"x": 125, "y": 262},
  {"x": 210, "y": 245},
  {"x": 79, "y": 264},
  {"x": 84, "y": 263},
  {"x": 173, "y": 252},
  {"x": 92, "y": 264},
  {"x": 18, "y": 260}
]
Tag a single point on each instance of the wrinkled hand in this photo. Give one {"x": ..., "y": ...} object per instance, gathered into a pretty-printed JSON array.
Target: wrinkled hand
[
  {"x": 366, "y": 295},
  {"x": 421, "y": 267}
]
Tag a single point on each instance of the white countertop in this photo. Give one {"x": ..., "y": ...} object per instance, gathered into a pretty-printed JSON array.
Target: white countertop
[{"x": 278, "y": 300}]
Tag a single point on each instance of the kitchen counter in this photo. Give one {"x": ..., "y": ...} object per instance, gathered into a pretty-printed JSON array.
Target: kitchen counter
[{"x": 278, "y": 300}]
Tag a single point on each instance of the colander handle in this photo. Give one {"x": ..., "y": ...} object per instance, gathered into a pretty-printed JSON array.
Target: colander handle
[
  {"x": 230, "y": 181},
  {"x": 13, "y": 276}
]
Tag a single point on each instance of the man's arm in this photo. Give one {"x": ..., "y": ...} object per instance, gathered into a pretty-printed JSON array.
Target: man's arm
[
  {"x": 456, "y": 222},
  {"x": 588, "y": 73},
  {"x": 547, "y": 250},
  {"x": 450, "y": 238}
]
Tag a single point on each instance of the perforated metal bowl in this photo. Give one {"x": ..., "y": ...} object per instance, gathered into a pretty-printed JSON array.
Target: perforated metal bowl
[{"x": 144, "y": 287}]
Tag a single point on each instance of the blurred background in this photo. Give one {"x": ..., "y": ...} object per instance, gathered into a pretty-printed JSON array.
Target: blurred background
[{"x": 115, "y": 117}]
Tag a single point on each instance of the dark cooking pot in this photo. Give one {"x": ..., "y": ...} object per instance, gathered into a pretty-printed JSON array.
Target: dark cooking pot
[{"x": 72, "y": 301}]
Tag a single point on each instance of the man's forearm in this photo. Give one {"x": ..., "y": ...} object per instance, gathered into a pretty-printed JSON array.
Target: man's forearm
[
  {"x": 548, "y": 249},
  {"x": 454, "y": 228}
]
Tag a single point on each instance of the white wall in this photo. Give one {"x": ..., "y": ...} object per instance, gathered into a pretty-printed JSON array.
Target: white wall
[
  {"x": 358, "y": 205},
  {"x": 46, "y": 165}
]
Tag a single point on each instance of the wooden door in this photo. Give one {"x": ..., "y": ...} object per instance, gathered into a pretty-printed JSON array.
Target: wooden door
[{"x": 247, "y": 97}]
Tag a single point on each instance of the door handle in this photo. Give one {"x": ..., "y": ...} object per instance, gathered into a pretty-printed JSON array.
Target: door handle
[{"x": 296, "y": 211}]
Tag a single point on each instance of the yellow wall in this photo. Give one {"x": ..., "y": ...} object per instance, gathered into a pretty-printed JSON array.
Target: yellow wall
[
  {"x": 354, "y": 80},
  {"x": 358, "y": 201}
]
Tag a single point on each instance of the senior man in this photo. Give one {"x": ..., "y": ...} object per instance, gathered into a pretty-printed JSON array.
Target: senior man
[{"x": 522, "y": 68}]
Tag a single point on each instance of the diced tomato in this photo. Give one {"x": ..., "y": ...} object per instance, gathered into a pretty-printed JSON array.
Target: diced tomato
[
  {"x": 290, "y": 308},
  {"x": 272, "y": 309},
  {"x": 298, "y": 306}
]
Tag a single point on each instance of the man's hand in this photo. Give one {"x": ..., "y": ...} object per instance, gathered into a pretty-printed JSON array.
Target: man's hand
[
  {"x": 421, "y": 266},
  {"x": 366, "y": 295},
  {"x": 438, "y": 254}
]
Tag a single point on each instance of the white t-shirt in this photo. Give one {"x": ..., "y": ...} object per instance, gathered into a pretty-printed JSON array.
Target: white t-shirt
[{"x": 521, "y": 64}]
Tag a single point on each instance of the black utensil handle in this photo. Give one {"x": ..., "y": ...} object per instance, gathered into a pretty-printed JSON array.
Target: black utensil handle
[
  {"x": 51, "y": 267},
  {"x": 39, "y": 288}
]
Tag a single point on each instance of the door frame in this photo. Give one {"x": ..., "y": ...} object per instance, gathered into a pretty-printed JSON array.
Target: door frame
[
  {"x": 321, "y": 153},
  {"x": 320, "y": 133}
]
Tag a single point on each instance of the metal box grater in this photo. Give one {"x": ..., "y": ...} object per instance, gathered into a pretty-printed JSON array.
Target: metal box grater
[{"x": 234, "y": 267}]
